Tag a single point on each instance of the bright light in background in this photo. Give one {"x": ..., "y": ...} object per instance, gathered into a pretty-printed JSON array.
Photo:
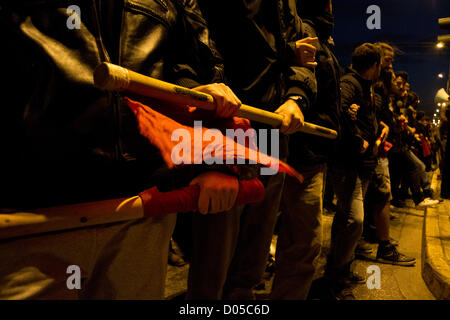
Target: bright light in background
[
  {"x": 444, "y": 104},
  {"x": 440, "y": 45},
  {"x": 441, "y": 75},
  {"x": 437, "y": 110}
]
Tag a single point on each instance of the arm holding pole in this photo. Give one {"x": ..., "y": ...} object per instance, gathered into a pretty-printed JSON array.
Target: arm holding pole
[{"x": 115, "y": 78}]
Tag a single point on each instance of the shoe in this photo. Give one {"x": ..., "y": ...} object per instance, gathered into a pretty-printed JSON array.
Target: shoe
[
  {"x": 363, "y": 247},
  {"x": 354, "y": 278},
  {"x": 344, "y": 294},
  {"x": 393, "y": 242},
  {"x": 390, "y": 255},
  {"x": 427, "y": 202}
]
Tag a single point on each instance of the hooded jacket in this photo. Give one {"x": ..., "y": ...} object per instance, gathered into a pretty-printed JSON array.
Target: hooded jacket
[{"x": 325, "y": 110}]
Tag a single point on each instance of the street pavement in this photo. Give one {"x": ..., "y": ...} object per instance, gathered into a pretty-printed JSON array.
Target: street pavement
[{"x": 397, "y": 282}]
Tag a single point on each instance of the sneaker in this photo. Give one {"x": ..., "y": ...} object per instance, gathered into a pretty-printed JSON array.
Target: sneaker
[
  {"x": 427, "y": 202},
  {"x": 363, "y": 247},
  {"x": 390, "y": 255},
  {"x": 393, "y": 242}
]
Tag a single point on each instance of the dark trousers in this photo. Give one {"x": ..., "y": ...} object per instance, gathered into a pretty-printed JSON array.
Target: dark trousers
[{"x": 230, "y": 249}]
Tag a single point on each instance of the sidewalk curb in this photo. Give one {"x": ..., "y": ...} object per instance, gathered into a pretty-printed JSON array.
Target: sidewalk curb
[{"x": 435, "y": 268}]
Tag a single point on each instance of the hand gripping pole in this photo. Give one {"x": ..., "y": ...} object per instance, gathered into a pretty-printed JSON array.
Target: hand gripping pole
[{"x": 108, "y": 76}]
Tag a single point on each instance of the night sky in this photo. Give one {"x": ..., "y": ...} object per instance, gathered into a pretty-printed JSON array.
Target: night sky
[{"x": 410, "y": 25}]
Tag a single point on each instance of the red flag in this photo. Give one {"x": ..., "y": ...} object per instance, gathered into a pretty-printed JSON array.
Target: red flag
[{"x": 159, "y": 129}]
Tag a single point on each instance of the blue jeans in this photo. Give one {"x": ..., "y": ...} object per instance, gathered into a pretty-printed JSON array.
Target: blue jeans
[{"x": 350, "y": 187}]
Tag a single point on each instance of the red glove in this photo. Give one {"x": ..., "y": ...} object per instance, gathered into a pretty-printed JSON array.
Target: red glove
[{"x": 158, "y": 203}]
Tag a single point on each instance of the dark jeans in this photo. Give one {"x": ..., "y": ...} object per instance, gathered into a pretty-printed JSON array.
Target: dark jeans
[
  {"x": 300, "y": 235},
  {"x": 230, "y": 249},
  {"x": 350, "y": 185}
]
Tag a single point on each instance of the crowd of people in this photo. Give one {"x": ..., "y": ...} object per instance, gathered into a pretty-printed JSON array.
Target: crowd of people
[{"x": 69, "y": 142}]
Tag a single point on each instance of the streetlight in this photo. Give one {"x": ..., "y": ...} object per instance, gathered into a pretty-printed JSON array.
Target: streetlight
[
  {"x": 440, "y": 45},
  {"x": 441, "y": 75}
]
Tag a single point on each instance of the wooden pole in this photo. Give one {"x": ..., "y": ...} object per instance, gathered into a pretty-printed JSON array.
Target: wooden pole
[{"x": 108, "y": 76}]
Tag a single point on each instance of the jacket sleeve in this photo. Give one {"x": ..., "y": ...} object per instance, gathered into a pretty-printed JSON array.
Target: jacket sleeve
[
  {"x": 300, "y": 81},
  {"x": 195, "y": 58},
  {"x": 348, "y": 94}
]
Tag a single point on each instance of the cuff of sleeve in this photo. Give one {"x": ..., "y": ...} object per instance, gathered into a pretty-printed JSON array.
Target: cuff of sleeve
[{"x": 294, "y": 91}]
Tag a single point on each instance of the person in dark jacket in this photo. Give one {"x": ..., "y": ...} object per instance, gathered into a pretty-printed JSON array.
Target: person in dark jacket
[
  {"x": 354, "y": 167},
  {"x": 69, "y": 142},
  {"x": 265, "y": 66},
  {"x": 377, "y": 201},
  {"x": 300, "y": 230}
]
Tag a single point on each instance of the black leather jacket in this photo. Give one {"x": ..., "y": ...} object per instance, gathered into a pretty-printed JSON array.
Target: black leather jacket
[{"x": 62, "y": 140}]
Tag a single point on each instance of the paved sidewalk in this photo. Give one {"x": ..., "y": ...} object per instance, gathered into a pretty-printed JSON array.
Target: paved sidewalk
[
  {"x": 436, "y": 248},
  {"x": 397, "y": 282}
]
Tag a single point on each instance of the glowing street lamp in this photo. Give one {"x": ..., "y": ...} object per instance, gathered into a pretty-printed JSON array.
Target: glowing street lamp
[
  {"x": 440, "y": 45},
  {"x": 441, "y": 75}
]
